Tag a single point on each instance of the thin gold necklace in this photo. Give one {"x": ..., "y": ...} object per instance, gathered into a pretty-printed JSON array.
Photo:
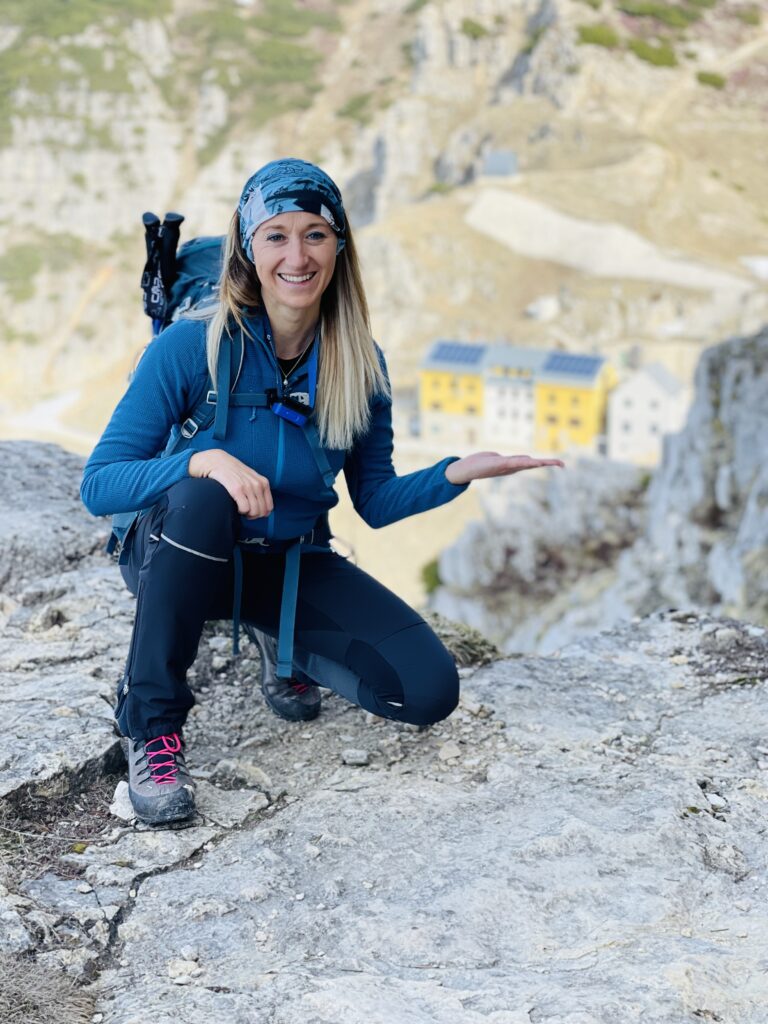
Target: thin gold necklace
[{"x": 287, "y": 373}]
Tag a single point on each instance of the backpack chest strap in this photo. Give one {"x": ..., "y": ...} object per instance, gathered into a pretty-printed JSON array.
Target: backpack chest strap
[{"x": 252, "y": 398}]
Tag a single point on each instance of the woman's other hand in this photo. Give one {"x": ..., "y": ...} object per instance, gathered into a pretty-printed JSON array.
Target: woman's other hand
[
  {"x": 249, "y": 490},
  {"x": 484, "y": 464}
]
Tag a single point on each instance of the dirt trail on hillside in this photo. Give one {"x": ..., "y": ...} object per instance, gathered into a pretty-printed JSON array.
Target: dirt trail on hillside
[{"x": 668, "y": 107}]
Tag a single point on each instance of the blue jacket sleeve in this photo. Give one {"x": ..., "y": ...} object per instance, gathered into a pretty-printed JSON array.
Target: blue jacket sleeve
[
  {"x": 381, "y": 497},
  {"x": 123, "y": 473}
]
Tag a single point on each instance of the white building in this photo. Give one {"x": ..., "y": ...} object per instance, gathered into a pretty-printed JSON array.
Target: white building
[
  {"x": 508, "y": 411},
  {"x": 646, "y": 405}
]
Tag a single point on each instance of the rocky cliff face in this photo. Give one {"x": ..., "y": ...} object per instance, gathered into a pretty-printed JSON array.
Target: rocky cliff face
[
  {"x": 173, "y": 105},
  {"x": 581, "y": 840},
  {"x": 699, "y": 539}
]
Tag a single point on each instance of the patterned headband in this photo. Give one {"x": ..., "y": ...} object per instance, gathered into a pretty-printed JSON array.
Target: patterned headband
[{"x": 285, "y": 186}]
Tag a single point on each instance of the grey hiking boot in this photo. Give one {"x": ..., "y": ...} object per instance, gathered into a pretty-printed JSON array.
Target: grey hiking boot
[
  {"x": 292, "y": 699},
  {"x": 159, "y": 784}
]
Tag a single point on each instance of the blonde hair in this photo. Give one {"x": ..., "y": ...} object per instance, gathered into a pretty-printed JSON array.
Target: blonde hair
[{"x": 349, "y": 371}]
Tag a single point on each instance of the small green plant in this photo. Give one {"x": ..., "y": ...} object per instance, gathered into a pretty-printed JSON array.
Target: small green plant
[
  {"x": 439, "y": 188},
  {"x": 357, "y": 108},
  {"x": 711, "y": 78},
  {"x": 749, "y": 15},
  {"x": 598, "y": 35},
  {"x": 473, "y": 29},
  {"x": 668, "y": 14},
  {"x": 19, "y": 265},
  {"x": 702, "y": 3},
  {"x": 594, "y": 4},
  {"x": 415, "y": 6},
  {"x": 430, "y": 576},
  {"x": 661, "y": 55}
]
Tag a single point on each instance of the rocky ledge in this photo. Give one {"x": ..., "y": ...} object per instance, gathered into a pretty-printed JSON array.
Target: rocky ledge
[{"x": 582, "y": 842}]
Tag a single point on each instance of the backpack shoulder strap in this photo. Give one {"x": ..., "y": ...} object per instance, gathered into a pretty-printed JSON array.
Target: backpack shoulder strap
[{"x": 206, "y": 408}]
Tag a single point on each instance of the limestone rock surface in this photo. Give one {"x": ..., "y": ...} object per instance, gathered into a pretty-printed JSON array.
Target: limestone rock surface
[{"x": 581, "y": 841}]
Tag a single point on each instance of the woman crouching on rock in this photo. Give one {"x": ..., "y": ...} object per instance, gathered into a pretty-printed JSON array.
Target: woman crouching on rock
[{"x": 230, "y": 512}]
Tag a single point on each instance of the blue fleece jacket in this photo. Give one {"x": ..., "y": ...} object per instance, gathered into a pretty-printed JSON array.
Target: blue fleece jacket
[{"x": 124, "y": 471}]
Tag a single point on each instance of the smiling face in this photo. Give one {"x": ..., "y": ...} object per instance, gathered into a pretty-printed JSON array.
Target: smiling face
[{"x": 295, "y": 256}]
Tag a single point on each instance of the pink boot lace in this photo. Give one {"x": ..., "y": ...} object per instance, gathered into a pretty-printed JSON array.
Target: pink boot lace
[
  {"x": 163, "y": 771},
  {"x": 297, "y": 686}
]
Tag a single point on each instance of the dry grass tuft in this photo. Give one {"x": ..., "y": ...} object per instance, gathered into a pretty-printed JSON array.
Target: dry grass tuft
[{"x": 30, "y": 994}]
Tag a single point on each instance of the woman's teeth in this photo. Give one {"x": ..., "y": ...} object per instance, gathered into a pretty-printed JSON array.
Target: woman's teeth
[{"x": 295, "y": 278}]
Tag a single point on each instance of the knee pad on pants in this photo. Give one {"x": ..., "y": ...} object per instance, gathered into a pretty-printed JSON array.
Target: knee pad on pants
[{"x": 409, "y": 676}]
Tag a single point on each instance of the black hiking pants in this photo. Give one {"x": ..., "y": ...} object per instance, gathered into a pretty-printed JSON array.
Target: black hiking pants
[{"x": 352, "y": 634}]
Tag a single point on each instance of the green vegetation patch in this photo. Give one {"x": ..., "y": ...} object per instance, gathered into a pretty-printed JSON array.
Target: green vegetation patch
[
  {"x": 284, "y": 18},
  {"x": 357, "y": 108},
  {"x": 661, "y": 55},
  {"x": 277, "y": 60},
  {"x": 702, "y": 3},
  {"x": 598, "y": 35},
  {"x": 53, "y": 19},
  {"x": 430, "y": 576},
  {"x": 594, "y": 4},
  {"x": 673, "y": 15},
  {"x": 213, "y": 29},
  {"x": 473, "y": 29},
  {"x": 105, "y": 72},
  {"x": 415, "y": 6},
  {"x": 749, "y": 15},
  {"x": 712, "y": 79},
  {"x": 19, "y": 265}
]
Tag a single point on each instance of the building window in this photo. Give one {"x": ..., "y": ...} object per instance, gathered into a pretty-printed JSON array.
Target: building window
[
  {"x": 553, "y": 419},
  {"x": 472, "y": 409},
  {"x": 654, "y": 404},
  {"x": 653, "y": 428},
  {"x": 435, "y": 384},
  {"x": 575, "y": 421},
  {"x": 437, "y": 405},
  {"x": 552, "y": 399},
  {"x": 575, "y": 400},
  {"x": 627, "y": 403},
  {"x": 626, "y": 427}
]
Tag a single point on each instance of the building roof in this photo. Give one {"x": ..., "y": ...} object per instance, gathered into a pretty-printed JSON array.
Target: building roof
[
  {"x": 455, "y": 356},
  {"x": 666, "y": 380},
  {"x": 502, "y": 162},
  {"x": 515, "y": 357},
  {"x": 580, "y": 369}
]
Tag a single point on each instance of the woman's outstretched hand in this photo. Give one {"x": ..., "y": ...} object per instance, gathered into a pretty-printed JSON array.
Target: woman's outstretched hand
[
  {"x": 250, "y": 490},
  {"x": 484, "y": 464}
]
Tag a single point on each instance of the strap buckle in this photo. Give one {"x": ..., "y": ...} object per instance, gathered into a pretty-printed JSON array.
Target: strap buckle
[
  {"x": 210, "y": 398},
  {"x": 189, "y": 428}
]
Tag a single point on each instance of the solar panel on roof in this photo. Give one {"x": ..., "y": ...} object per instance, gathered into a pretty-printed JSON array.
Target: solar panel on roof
[
  {"x": 456, "y": 352},
  {"x": 573, "y": 365}
]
